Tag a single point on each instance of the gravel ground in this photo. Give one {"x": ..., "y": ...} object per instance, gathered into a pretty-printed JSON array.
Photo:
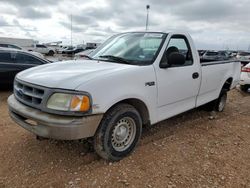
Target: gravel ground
[{"x": 190, "y": 150}]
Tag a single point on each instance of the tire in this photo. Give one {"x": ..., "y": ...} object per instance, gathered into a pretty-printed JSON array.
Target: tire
[
  {"x": 118, "y": 132},
  {"x": 51, "y": 53},
  {"x": 40, "y": 138},
  {"x": 209, "y": 106},
  {"x": 217, "y": 104},
  {"x": 220, "y": 103},
  {"x": 244, "y": 88}
]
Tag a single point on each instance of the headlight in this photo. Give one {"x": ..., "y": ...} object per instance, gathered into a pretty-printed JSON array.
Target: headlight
[{"x": 69, "y": 102}]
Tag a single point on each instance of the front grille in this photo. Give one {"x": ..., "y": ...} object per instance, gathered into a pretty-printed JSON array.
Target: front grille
[{"x": 29, "y": 94}]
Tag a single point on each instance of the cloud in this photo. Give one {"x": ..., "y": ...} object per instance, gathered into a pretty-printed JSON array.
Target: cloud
[
  {"x": 25, "y": 3},
  {"x": 32, "y": 13},
  {"x": 16, "y": 23},
  {"x": 3, "y": 22},
  {"x": 206, "y": 20},
  {"x": 205, "y": 11},
  {"x": 75, "y": 28},
  {"x": 83, "y": 19}
]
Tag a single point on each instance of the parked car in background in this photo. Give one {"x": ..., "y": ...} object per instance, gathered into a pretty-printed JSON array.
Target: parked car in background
[
  {"x": 133, "y": 79},
  {"x": 201, "y": 52},
  {"x": 5, "y": 45},
  {"x": 245, "y": 78},
  {"x": 215, "y": 56},
  {"x": 72, "y": 51},
  {"x": 65, "y": 48},
  {"x": 13, "y": 61},
  {"x": 13, "y": 46},
  {"x": 59, "y": 51},
  {"x": 86, "y": 54},
  {"x": 243, "y": 57},
  {"x": 42, "y": 49},
  {"x": 233, "y": 54}
]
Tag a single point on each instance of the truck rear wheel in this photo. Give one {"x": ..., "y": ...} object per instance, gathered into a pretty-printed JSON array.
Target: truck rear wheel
[
  {"x": 217, "y": 104},
  {"x": 220, "y": 103},
  {"x": 118, "y": 133}
]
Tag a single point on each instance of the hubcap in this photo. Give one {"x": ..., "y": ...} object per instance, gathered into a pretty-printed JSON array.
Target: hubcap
[{"x": 123, "y": 134}]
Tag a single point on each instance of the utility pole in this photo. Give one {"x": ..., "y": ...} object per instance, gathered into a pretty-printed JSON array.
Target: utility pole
[
  {"x": 147, "y": 7},
  {"x": 71, "y": 29}
]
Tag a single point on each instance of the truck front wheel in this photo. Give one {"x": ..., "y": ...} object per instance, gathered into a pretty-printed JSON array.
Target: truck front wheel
[{"x": 118, "y": 133}]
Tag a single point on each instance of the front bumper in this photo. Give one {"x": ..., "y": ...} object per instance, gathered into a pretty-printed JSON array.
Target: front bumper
[{"x": 53, "y": 126}]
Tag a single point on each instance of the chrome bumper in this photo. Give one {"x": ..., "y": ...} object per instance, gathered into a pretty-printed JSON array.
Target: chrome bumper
[{"x": 53, "y": 126}]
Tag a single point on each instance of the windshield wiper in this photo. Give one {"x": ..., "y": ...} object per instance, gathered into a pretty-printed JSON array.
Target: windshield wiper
[
  {"x": 90, "y": 58},
  {"x": 115, "y": 58}
]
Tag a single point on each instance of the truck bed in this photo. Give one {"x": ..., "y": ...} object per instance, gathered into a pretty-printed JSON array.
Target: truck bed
[
  {"x": 214, "y": 75},
  {"x": 215, "y": 62}
]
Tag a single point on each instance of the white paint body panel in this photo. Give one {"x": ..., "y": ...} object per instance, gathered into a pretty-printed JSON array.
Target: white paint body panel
[
  {"x": 213, "y": 79},
  {"x": 245, "y": 77},
  {"x": 40, "y": 50},
  {"x": 177, "y": 90},
  {"x": 174, "y": 92}
]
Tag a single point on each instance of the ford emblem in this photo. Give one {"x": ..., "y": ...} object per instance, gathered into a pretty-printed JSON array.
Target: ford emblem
[{"x": 20, "y": 92}]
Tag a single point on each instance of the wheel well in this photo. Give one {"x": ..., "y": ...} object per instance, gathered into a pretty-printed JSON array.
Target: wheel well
[
  {"x": 140, "y": 107},
  {"x": 228, "y": 84}
]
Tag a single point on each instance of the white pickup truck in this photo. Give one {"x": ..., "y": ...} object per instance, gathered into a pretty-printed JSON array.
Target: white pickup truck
[{"x": 131, "y": 80}]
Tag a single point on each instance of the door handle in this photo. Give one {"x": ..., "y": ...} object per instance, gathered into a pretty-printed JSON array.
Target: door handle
[{"x": 195, "y": 75}]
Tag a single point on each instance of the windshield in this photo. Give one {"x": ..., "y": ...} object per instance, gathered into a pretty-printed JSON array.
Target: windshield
[{"x": 131, "y": 48}]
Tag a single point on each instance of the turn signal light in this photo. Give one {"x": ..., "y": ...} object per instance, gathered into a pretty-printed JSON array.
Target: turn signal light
[{"x": 80, "y": 103}]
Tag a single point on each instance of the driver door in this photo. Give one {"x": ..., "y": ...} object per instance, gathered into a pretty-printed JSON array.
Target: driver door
[{"x": 178, "y": 85}]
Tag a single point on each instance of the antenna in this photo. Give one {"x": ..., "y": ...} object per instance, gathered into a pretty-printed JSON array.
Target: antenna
[{"x": 147, "y": 7}]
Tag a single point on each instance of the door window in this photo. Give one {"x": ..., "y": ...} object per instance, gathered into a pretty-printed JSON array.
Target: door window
[
  {"x": 13, "y": 46},
  {"x": 180, "y": 44},
  {"x": 6, "y": 57},
  {"x": 26, "y": 59}
]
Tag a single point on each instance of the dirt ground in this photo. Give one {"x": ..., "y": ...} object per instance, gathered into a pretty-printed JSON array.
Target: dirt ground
[{"x": 190, "y": 150}]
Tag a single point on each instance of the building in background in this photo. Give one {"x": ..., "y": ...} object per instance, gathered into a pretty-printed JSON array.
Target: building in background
[{"x": 24, "y": 43}]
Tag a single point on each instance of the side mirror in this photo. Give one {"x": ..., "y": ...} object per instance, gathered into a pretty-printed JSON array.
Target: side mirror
[{"x": 174, "y": 59}]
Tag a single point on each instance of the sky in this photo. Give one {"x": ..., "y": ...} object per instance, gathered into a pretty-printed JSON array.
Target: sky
[{"x": 213, "y": 24}]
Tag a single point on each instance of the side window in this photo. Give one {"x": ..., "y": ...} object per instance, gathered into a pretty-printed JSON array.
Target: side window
[
  {"x": 26, "y": 59},
  {"x": 180, "y": 44},
  {"x": 13, "y": 46},
  {"x": 6, "y": 57},
  {"x": 4, "y": 45},
  {"x": 41, "y": 46}
]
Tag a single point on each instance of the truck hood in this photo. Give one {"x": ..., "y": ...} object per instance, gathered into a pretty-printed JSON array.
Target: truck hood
[{"x": 69, "y": 74}]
